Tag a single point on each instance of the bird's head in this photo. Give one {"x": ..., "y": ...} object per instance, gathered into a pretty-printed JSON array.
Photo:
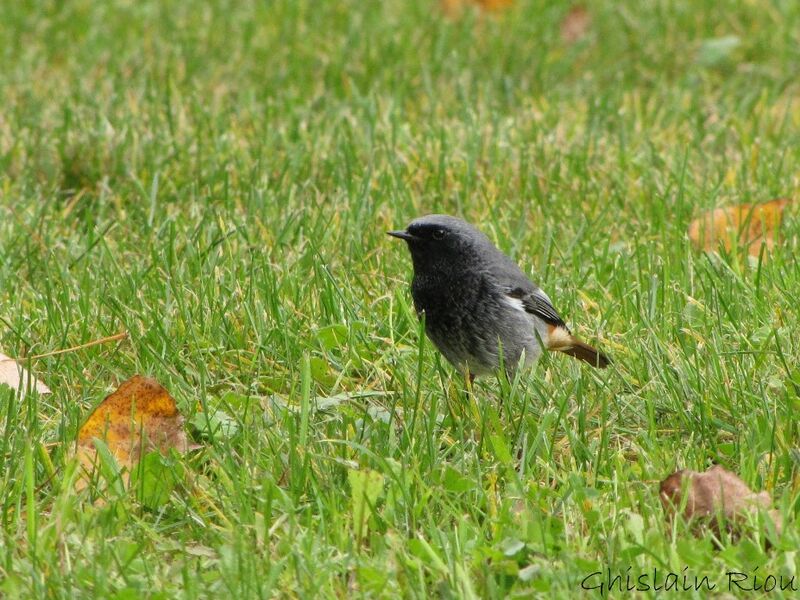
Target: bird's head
[{"x": 437, "y": 239}]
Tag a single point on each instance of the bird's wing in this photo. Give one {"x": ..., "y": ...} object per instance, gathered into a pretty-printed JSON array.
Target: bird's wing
[
  {"x": 522, "y": 292},
  {"x": 536, "y": 302}
]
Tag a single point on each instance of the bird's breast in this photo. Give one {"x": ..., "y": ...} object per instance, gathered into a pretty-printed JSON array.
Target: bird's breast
[
  {"x": 435, "y": 294},
  {"x": 452, "y": 295}
]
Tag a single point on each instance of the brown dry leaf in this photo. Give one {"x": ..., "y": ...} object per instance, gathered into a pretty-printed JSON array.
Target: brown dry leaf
[
  {"x": 717, "y": 492},
  {"x": 746, "y": 224},
  {"x": 575, "y": 25},
  {"x": 139, "y": 417},
  {"x": 17, "y": 377}
]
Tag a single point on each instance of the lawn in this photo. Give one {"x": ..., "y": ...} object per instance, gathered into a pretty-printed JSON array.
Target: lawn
[{"x": 216, "y": 178}]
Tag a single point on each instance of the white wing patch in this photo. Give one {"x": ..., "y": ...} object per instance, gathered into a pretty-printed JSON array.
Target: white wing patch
[{"x": 515, "y": 303}]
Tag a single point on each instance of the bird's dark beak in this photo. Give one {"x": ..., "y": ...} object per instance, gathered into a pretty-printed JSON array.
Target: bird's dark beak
[{"x": 403, "y": 235}]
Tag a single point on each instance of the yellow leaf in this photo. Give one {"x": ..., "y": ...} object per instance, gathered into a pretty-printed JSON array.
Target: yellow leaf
[
  {"x": 749, "y": 225},
  {"x": 139, "y": 417},
  {"x": 453, "y": 8},
  {"x": 494, "y": 4}
]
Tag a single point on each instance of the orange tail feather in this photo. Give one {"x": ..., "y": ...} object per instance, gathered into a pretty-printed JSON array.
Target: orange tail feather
[{"x": 562, "y": 341}]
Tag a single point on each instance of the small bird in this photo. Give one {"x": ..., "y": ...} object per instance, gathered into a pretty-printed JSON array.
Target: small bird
[{"x": 478, "y": 303}]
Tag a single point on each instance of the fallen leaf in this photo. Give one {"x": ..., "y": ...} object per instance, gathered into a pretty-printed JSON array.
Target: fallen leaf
[
  {"x": 494, "y": 4},
  {"x": 575, "y": 25},
  {"x": 746, "y": 225},
  {"x": 17, "y": 377},
  {"x": 454, "y": 8},
  {"x": 451, "y": 8},
  {"x": 713, "y": 497},
  {"x": 138, "y": 418}
]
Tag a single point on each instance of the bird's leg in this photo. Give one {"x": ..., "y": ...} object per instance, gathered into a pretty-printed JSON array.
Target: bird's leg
[
  {"x": 473, "y": 408},
  {"x": 469, "y": 380}
]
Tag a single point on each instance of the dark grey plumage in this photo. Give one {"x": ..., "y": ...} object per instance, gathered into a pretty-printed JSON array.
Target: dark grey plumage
[{"x": 476, "y": 300}]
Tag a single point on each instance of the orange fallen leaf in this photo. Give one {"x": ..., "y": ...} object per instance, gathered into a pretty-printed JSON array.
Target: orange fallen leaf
[
  {"x": 138, "y": 418},
  {"x": 494, "y": 4},
  {"x": 575, "y": 25},
  {"x": 749, "y": 225},
  {"x": 716, "y": 493},
  {"x": 453, "y": 8}
]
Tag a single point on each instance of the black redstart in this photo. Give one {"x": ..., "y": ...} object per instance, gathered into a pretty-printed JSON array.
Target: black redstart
[{"x": 477, "y": 302}]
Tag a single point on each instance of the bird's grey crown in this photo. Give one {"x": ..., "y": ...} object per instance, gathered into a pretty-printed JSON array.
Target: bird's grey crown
[
  {"x": 483, "y": 250},
  {"x": 452, "y": 225}
]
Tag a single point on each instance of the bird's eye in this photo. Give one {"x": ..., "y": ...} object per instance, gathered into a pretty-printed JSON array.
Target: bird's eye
[{"x": 439, "y": 234}]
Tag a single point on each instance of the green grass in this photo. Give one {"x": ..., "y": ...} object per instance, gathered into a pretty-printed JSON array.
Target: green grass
[{"x": 217, "y": 178}]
